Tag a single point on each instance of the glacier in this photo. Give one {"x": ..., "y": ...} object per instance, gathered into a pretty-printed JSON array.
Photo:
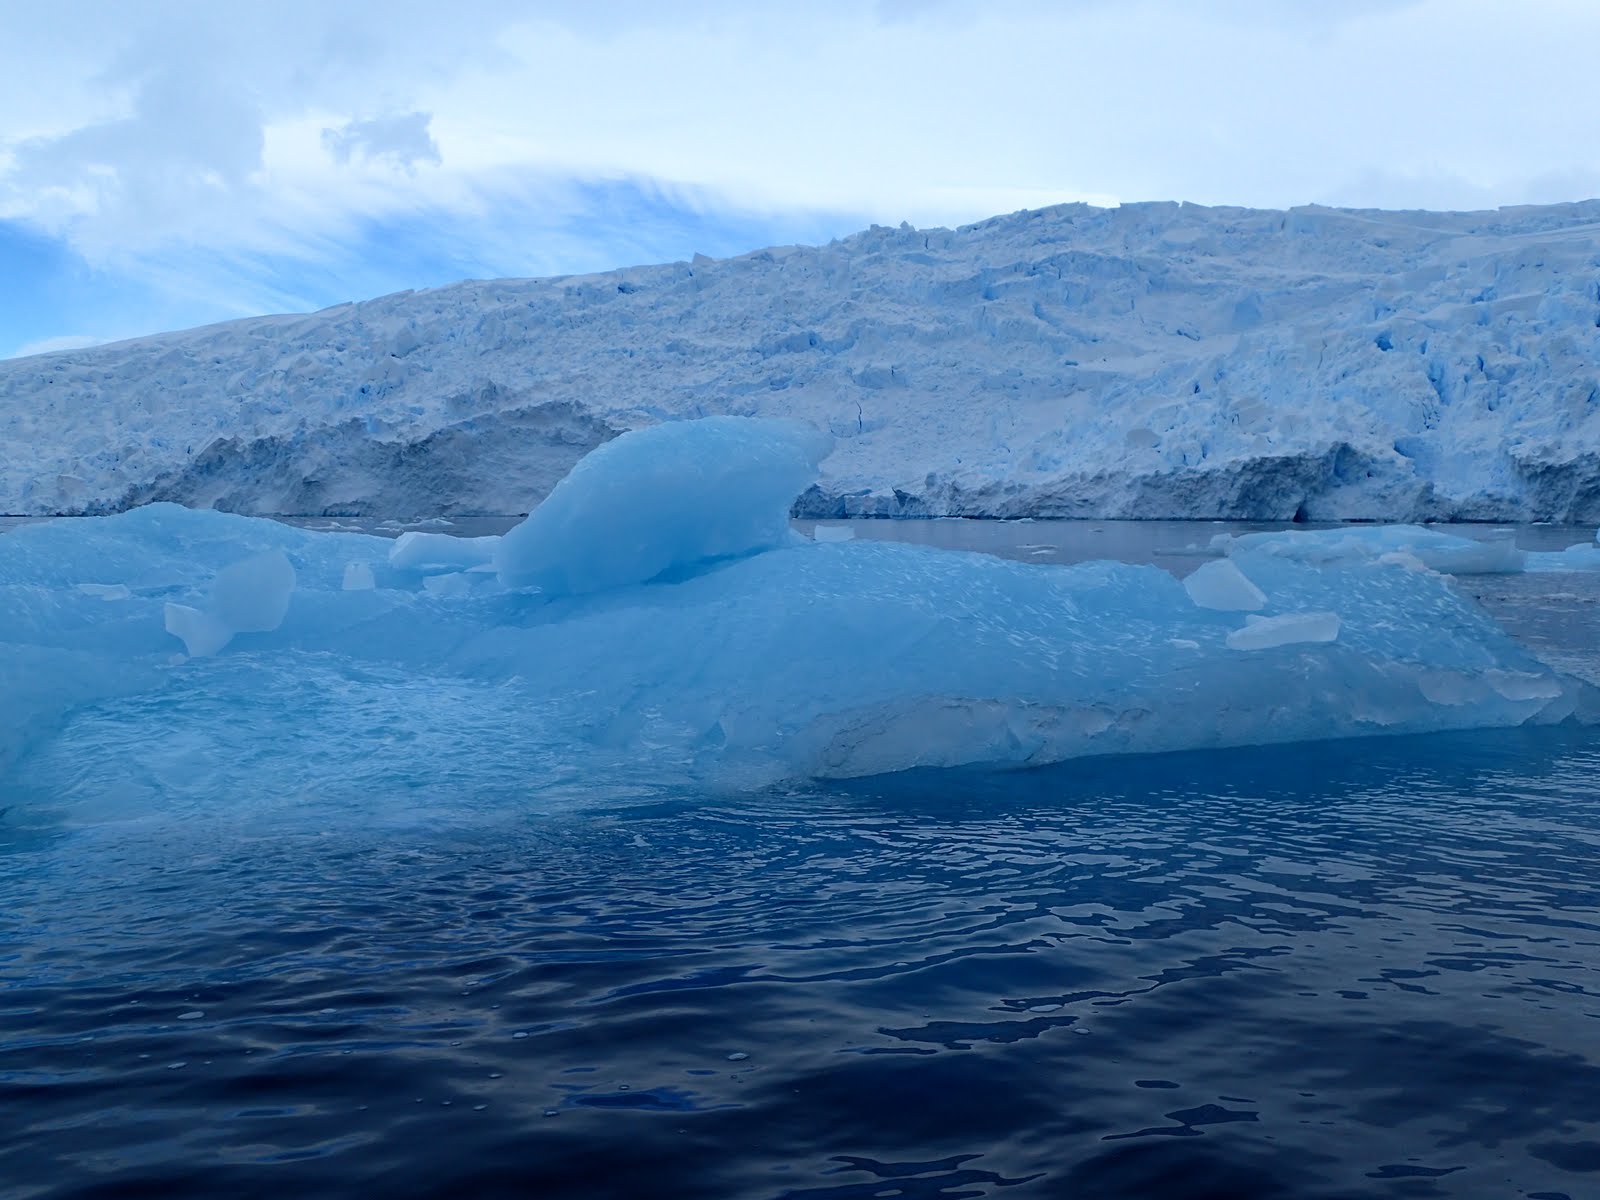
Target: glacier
[
  {"x": 1153, "y": 360},
  {"x": 712, "y": 647}
]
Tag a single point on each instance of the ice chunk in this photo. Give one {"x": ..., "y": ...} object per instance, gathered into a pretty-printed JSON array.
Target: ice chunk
[
  {"x": 1222, "y": 586},
  {"x": 253, "y": 596},
  {"x": 358, "y": 577},
  {"x": 248, "y": 597},
  {"x": 106, "y": 591},
  {"x": 832, "y": 533},
  {"x": 1264, "y": 633},
  {"x": 421, "y": 551},
  {"x": 1581, "y": 557},
  {"x": 457, "y": 583},
  {"x": 1447, "y": 553},
  {"x": 664, "y": 499}
]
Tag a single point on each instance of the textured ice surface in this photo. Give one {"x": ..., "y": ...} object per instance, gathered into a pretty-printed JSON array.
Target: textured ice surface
[
  {"x": 663, "y": 499},
  {"x": 1438, "y": 551},
  {"x": 1223, "y": 586},
  {"x": 741, "y": 659},
  {"x": 1155, "y": 360}
]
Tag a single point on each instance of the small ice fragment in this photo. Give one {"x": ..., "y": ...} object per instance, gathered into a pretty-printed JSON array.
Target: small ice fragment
[
  {"x": 358, "y": 577},
  {"x": 201, "y": 633},
  {"x": 1522, "y": 685},
  {"x": 106, "y": 591},
  {"x": 1263, "y": 633},
  {"x": 454, "y": 584},
  {"x": 1403, "y": 558},
  {"x": 177, "y": 1066},
  {"x": 832, "y": 533},
  {"x": 738, "y": 1056},
  {"x": 1183, "y": 644},
  {"x": 418, "y": 551},
  {"x": 521, "y": 1033},
  {"x": 253, "y": 596},
  {"x": 191, "y": 1016},
  {"x": 1221, "y": 585}
]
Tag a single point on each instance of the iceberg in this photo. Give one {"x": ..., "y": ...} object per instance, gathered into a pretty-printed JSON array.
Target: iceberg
[
  {"x": 659, "y": 627},
  {"x": 1448, "y": 553}
]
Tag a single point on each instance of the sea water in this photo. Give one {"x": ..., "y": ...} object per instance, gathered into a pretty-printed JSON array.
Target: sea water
[{"x": 1340, "y": 969}]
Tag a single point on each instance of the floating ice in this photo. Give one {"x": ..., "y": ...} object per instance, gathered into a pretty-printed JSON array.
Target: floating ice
[
  {"x": 1444, "y": 552},
  {"x": 664, "y": 498},
  {"x": 106, "y": 591},
  {"x": 832, "y": 533},
  {"x": 1584, "y": 556},
  {"x": 424, "y": 551},
  {"x": 248, "y": 597},
  {"x": 683, "y": 638},
  {"x": 1222, "y": 586},
  {"x": 1290, "y": 629},
  {"x": 358, "y": 577}
]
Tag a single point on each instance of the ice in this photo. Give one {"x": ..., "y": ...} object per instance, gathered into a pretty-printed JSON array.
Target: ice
[
  {"x": 1153, "y": 360},
  {"x": 252, "y": 596},
  {"x": 1220, "y": 585},
  {"x": 1585, "y": 556},
  {"x": 106, "y": 591},
  {"x": 694, "y": 645},
  {"x": 1289, "y": 629},
  {"x": 664, "y": 499},
  {"x": 248, "y": 597},
  {"x": 1438, "y": 551},
  {"x": 440, "y": 551},
  {"x": 832, "y": 533},
  {"x": 358, "y": 577}
]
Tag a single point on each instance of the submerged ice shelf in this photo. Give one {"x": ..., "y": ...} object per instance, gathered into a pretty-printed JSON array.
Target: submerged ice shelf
[{"x": 657, "y": 624}]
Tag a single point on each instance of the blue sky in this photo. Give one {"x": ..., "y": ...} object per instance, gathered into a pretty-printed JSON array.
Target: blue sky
[{"x": 192, "y": 162}]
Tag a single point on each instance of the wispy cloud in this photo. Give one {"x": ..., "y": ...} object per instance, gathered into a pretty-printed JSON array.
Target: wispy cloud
[{"x": 225, "y": 158}]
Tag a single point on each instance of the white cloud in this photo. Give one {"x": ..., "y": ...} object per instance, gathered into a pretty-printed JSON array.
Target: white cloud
[
  {"x": 255, "y": 129},
  {"x": 402, "y": 138}
]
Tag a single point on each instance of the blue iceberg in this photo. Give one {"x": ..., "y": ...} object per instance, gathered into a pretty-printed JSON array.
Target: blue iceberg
[{"x": 656, "y": 624}]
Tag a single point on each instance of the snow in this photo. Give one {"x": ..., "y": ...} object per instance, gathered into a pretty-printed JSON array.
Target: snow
[
  {"x": 1155, "y": 360},
  {"x": 716, "y": 657}
]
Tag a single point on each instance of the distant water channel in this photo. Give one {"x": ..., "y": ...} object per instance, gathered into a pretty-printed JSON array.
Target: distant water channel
[{"x": 1356, "y": 969}]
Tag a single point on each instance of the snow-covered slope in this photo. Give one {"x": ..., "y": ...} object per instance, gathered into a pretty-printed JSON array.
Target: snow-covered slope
[{"x": 1155, "y": 360}]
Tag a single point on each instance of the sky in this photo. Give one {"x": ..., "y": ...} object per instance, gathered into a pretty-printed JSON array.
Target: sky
[{"x": 168, "y": 163}]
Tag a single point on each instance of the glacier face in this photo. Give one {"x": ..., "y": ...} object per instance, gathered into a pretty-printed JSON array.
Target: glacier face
[
  {"x": 184, "y": 659},
  {"x": 1157, "y": 360}
]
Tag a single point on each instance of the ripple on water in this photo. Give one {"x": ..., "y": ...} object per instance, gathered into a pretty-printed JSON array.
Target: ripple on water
[{"x": 1308, "y": 971}]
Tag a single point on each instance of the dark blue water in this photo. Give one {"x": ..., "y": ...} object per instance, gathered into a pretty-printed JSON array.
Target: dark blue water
[{"x": 1350, "y": 969}]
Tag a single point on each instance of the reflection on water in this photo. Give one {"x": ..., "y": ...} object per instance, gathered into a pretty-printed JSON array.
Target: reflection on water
[{"x": 1348, "y": 969}]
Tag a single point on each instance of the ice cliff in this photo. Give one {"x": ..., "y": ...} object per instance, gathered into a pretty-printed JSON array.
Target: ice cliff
[
  {"x": 1156, "y": 360},
  {"x": 173, "y": 658}
]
